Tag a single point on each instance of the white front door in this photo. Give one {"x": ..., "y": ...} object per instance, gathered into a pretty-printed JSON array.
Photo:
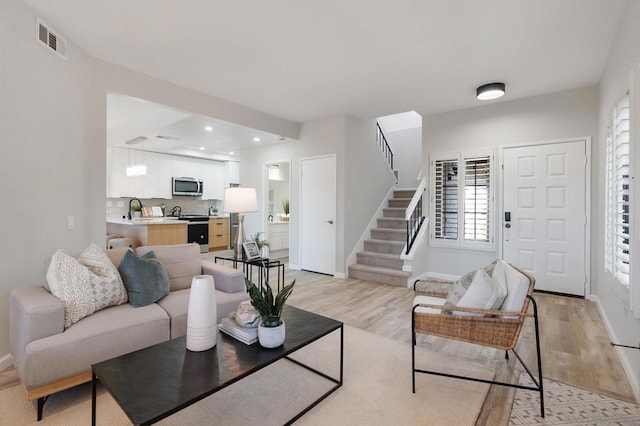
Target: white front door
[
  {"x": 318, "y": 214},
  {"x": 545, "y": 197}
]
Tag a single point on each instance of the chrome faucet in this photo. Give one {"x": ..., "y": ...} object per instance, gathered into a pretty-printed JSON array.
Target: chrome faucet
[{"x": 139, "y": 203}]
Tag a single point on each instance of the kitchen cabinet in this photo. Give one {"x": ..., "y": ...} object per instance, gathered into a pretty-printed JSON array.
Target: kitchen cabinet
[
  {"x": 186, "y": 167},
  {"x": 218, "y": 233},
  {"x": 168, "y": 233},
  {"x": 231, "y": 173},
  {"x": 212, "y": 173},
  {"x": 156, "y": 183},
  {"x": 278, "y": 237}
]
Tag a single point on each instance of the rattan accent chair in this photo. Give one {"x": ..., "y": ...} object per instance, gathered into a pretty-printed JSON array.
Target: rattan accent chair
[{"x": 490, "y": 330}]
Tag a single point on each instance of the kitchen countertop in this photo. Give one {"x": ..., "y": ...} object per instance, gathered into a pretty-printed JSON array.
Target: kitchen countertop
[{"x": 148, "y": 221}]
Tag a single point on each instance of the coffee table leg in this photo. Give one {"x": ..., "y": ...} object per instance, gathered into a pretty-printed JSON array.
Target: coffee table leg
[{"x": 93, "y": 398}]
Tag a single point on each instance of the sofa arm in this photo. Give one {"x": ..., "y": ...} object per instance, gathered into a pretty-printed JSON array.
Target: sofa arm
[
  {"x": 34, "y": 313},
  {"x": 226, "y": 279}
]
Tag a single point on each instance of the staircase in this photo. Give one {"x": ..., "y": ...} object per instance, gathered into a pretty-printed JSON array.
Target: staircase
[{"x": 380, "y": 261}]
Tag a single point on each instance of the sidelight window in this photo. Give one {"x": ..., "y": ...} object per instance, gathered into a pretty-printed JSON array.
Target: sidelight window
[{"x": 462, "y": 200}]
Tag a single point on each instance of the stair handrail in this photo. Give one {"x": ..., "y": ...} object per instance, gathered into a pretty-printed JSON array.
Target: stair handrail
[
  {"x": 413, "y": 214},
  {"x": 384, "y": 145}
]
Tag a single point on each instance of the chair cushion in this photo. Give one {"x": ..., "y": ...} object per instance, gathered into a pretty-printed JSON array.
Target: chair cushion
[
  {"x": 518, "y": 288},
  {"x": 475, "y": 290},
  {"x": 428, "y": 300},
  {"x": 144, "y": 277}
]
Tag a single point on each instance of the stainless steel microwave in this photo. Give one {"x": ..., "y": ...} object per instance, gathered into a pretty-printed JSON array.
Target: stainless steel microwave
[{"x": 186, "y": 186}]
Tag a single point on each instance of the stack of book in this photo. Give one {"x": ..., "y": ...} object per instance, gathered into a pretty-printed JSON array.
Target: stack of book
[{"x": 247, "y": 335}]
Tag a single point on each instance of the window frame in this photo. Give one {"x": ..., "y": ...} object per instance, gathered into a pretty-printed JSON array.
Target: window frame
[{"x": 463, "y": 158}]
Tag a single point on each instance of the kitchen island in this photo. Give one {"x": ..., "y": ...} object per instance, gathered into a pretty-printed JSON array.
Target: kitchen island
[{"x": 150, "y": 231}]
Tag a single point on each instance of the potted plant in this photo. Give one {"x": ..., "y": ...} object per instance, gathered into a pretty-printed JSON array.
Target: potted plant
[
  {"x": 271, "y": 331},
  {"x": 136, "y": 211},
  {"x": 285, "y": 207},
  {"x": 260, "y": 242}
]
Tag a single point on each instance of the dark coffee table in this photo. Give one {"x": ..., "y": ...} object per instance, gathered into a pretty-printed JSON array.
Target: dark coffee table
[{"x": 155, "y": 382}]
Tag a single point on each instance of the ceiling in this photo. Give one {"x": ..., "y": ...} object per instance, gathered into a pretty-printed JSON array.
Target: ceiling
[{"x": 302, "y": 60}]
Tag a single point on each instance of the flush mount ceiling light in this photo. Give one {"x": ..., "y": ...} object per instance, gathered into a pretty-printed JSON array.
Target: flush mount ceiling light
[
  {"x": 490, "y": 91},
  {"x": 256, "y": 139},
  {"x": 209, "y": 129}
]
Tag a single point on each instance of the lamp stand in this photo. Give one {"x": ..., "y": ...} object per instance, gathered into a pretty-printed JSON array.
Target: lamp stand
[{"x": 238, "y": 249}]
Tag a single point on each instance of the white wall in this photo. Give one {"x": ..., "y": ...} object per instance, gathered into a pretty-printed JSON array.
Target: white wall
[
  {"x": 406, "y": 145},
  {"x": 562, "y": 115},
  {"x": 614, "y": 302}
]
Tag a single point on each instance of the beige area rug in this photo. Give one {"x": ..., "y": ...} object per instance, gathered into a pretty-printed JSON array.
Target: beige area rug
[
  {"x": 376, "y": 391},
  {"x": 568, "y": 405}
]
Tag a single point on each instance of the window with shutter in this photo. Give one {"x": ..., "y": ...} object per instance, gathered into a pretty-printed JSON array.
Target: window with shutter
[
  {"x": 609, "y": 203},
  {"x": 621, "y": 190},
  {"x": 462, "y": 200}
]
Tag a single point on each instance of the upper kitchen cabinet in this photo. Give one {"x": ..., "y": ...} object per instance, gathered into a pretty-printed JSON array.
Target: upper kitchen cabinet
[
  {"x": 231, "y": 173},
  {"x": 213, "y": 173},
  {"x": 186, "y": 167},
  {"x": 134, "y": 173}
]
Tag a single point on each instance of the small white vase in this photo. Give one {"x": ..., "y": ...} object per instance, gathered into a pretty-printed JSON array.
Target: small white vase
[
  {"x": 202, "y": 330},
  {"x": 271, "y": 337}
]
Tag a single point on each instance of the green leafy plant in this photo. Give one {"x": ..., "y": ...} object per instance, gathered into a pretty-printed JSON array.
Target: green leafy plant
[
  {"x": 136, "y": 208},
  {"x": 285, "y": 205},
  {"x": 268, "y": 306},
  {"x": 259, "y": 242}
]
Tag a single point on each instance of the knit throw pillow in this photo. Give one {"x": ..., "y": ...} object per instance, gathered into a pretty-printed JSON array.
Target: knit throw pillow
[
  {"x": 475, "y": 290},
  {"x": 84, "y": 285}
]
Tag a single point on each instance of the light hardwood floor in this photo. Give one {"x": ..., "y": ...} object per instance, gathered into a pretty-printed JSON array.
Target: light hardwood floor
[{"x": 575, "y": 345}]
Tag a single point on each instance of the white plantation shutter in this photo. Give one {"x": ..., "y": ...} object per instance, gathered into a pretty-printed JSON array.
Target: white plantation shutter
[
  {"x": 462, "y": 200},
  {"x": 620, "y": 165},
  {"x": 445, "y": 199},
  {"x": 477, "y": 179},
  {"x": 609, "y": 204}
]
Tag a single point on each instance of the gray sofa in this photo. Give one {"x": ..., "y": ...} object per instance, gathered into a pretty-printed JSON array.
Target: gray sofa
[{"x": 50, "y": 358}]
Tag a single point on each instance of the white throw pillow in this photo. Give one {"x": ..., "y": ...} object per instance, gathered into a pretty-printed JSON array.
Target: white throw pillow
[
  {"x": 70, "y": 282},
  {"x": 106, "y": 282},
  {"x": 517, "y": 287},
  {"x": 483, "y": 292}
]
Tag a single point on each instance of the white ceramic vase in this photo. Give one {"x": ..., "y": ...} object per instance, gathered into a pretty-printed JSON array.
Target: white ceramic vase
[
  {"x": 202, "y": 330},
  {"x": 271, "y": 337}
]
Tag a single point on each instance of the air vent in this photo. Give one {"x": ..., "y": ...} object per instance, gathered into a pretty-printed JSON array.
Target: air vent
[
  {"x": 169, "y": 138},
  {"x": 50, "y": 39},
  {"x": 136, "y": 140}
]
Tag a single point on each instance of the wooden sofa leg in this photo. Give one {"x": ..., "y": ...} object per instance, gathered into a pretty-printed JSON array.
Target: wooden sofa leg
[{"x": 41, "y": 402}]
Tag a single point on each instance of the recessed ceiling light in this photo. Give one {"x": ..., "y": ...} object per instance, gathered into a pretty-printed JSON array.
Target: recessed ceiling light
[
  {"x": 209, "y": 129},
  {"x": 490, "y": 91},
  {"x": 202, "y": 148},
  {"x": 231, "y": 153},
  {"x": 256, "y": 139}
]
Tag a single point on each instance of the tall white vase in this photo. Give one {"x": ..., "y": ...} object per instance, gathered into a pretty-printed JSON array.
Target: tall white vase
[{"x": 202, "y": 330}]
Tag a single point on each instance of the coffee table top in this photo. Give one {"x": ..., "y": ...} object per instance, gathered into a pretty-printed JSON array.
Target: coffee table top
[{"x": 155, "y": 382}]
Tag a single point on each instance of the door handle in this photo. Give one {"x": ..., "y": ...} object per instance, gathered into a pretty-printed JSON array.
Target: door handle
[{"x": 330, "y": 222}]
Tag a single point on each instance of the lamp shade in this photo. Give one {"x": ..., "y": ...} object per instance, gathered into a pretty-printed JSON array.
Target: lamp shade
[
  {"x": 240, "y": 200},
  {"x": 490, "y": 91}
]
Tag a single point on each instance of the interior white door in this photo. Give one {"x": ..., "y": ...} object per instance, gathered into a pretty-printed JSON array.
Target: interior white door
[
  {"x": 545, "y": 197},
  {"x": 318, "y": 214}
]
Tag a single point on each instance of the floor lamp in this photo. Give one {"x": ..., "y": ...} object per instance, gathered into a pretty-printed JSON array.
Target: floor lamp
[{"x": 239, "y": 200}]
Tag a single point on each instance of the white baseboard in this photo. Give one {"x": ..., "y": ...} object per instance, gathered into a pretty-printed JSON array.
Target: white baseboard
[
  {"x": 624, "y": 360},
  {"x": 6, "y": 362},
  {"x": 340, "y": 275},
  {"x": 440, "y": 276},
  {"x": 294, "y": 267}
]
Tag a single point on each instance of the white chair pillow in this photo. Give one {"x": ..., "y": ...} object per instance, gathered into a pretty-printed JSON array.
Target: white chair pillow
[
  {"x": 480, "y": 292},
  {"x": 517, "y": 287}
]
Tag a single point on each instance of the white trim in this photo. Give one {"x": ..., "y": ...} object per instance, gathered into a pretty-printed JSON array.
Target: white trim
[
  {"x": 587, "y": 207},
  {"x": 265, "y": 199},
  {"x": 627, "y": 365},
  {"x": 440, "y": 276},
  {"x": 340, "y": 275},
  {"x": 294, "y": 266},
  {"x": 6, "y": 362}
]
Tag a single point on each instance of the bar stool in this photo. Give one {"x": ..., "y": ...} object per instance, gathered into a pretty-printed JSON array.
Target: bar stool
[{"x": 120, "y": 242}]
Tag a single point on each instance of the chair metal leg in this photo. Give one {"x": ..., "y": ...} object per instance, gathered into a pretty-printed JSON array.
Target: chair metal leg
[
  {"x": 506, "y": 354},
  {"x": 535, "y": 322},
  {"x": 413, "y": 348}
]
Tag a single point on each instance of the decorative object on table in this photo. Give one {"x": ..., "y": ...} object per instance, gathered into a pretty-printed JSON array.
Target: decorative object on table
[
  {"x": 259, "y": 241},
  {"x": 247, "y": 335},
  {"x": 271, "y": 331},
  {"x": 285, "y": 208},
  {"x": 246, "y": 315},
  {"x": 239, "y": 200},
  {"x": 251, "y": 250},
  {"x": 202, "y": 314}
]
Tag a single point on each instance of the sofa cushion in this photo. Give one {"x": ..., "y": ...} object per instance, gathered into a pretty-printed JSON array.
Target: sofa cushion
[
  {"x": 182, "y": 262},
  {"x": 106, "y": 334},
  {"x": 176, "y": 305},
  {"x": 107, "y": 285},
  {"x": 144, "y": 277},
  {"x": 475, "y": 290},
  {"x": 227, "y": 279}
]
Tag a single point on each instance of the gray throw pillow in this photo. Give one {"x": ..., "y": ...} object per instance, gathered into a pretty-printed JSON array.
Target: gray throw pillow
[{"x": 144, "y": 277}]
